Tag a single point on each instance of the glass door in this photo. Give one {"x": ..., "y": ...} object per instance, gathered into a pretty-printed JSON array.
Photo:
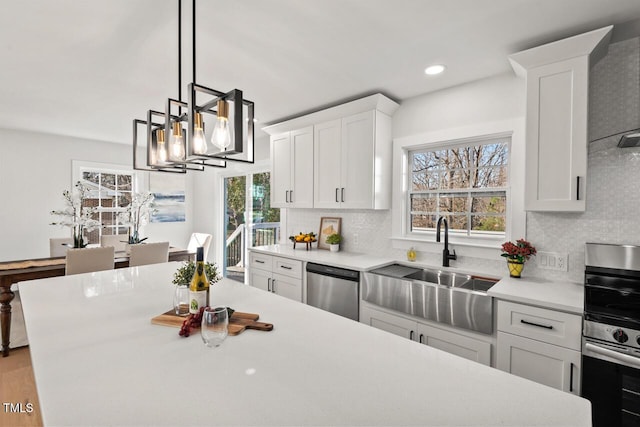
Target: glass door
[{"x": 249, "y": 220}]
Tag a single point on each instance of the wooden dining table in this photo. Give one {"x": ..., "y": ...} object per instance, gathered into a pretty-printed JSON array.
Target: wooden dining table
[{"x": 30, "y": 269}]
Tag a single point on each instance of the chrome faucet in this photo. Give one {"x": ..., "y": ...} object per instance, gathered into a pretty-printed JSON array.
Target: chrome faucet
[{"x": 446, "y": 256}]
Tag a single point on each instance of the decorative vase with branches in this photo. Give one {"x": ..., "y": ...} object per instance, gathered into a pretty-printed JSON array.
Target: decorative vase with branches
[{"x": 76, "y": 216}]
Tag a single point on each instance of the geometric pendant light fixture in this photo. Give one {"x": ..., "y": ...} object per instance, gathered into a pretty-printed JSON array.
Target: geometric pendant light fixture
[{"x": 209, "y": 129}]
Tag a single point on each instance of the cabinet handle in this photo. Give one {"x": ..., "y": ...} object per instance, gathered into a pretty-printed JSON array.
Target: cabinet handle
[
  {"x": 286, "y": 196},
  {"x": 571, "y": 376},
  {"x": 577, "y": 188},
  {"x": 286, "y": 267},
  {"x": 536, "y": 324},
  {"x": 273, "y": 285},
  {"x": 291, "y": 196},
  {"x": 411, "y": 335},
  {"x": 337, "y": 201},
  {"x": 342, "y": 197},
  {"x": 259, "y": 261},
  {"x": 269, "y": 285},
  {"x": 421, "y": 339}
]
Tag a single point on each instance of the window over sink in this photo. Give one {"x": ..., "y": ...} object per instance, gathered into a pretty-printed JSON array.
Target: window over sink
[{"x": 466, "y": 182}]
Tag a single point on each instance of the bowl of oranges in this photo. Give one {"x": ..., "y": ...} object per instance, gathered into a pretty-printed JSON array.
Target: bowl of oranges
[{"x": 304, "y": 238}]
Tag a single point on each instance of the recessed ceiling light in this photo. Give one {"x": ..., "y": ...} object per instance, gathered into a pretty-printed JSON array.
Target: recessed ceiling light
[{"x": 434, "y": 69}]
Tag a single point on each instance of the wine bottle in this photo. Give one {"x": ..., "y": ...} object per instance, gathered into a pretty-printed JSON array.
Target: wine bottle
[{"x": 199, "y": 287}]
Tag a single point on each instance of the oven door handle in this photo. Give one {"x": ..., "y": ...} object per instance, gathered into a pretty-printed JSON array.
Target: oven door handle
[{"x": 625, "y": 359}]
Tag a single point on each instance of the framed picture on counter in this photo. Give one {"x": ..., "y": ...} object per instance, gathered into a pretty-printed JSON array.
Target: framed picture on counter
[{"x": 328, "y": 226}]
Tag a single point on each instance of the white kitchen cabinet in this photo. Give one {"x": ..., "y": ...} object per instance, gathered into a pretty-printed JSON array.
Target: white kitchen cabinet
[
  {"x": 292, "y": 169},
  {"x": 540, "y": 344},
  {"x": 433, "y": 335},
  {"x": 352, "y": 157},
  {"x": 275, "y": 274},
  {"x": 557, "y": 87}
]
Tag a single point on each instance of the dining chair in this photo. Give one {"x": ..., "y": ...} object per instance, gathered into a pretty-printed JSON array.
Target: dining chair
[
  {"x": 87, "y": 260},
  {"x": 118, "y": 241},
  {"x": 58, "y": 246},
  {"x": 200, "y": 239},
  {"x": 149, "y": 253}
]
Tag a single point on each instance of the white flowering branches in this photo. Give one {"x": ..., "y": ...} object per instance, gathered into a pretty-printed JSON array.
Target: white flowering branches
[
  {"x": 76, "y": 216},
  {"x": 136, "y": 215}
]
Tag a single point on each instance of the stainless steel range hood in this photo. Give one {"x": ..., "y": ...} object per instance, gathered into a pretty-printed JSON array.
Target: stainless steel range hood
[{"x": 630, "y": 140}]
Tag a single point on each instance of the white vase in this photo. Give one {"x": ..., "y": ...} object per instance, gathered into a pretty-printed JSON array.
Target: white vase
[{"x": 334, "y": 248}]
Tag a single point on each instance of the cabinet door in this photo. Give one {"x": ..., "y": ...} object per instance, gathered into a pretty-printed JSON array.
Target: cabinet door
[
  {"x": 460, "y": 345},
  {"x": 301, "y": 195},
  {"x": 327, "y": 164},
  {"x": 287, "y": 287},
  {"x": 357, "y": 188},
  {"x": 260, "y": 279},
  {"x": 544, "y": 363},
  {"x": 396, "y": 325},
  {"x": 556, "y": 147},
  {"x": 280, "y": 170}
]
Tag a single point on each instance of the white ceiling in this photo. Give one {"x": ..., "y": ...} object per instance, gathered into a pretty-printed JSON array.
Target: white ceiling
[{"x": 86, "y": 68}]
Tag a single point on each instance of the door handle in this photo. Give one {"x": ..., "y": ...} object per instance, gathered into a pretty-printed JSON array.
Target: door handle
[
  {"x": 342, "y": 197},
  {"x": 411, "y": 335},
  {"x": 291, "y": 196},
  {"x": 269, "y": 285},
  {"x": 337, "y": 201},
  {"x": 273, "y": 285},
  {"x": 286, "y": 196},
  {"x": 421, "y": 339},
  {"x": 536, "y": 324},
  {"x": 577, "y": 188}
]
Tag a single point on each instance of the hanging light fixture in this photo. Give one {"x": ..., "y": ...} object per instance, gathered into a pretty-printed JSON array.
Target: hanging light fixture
[{"x": 228, "y": 116}]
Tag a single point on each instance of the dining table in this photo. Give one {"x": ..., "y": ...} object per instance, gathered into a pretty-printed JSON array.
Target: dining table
[
  {"x": 100, "y": 357},
  {"x": 12, "y": 272}
]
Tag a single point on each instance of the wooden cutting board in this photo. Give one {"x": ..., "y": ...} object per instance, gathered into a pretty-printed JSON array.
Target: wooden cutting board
[{"x": 237, "y": 323}]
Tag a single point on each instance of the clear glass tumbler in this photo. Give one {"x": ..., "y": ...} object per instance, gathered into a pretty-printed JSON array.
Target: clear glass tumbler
[
  {"x": 181, "y": 300},
  {"x": 215, "y": 323}
]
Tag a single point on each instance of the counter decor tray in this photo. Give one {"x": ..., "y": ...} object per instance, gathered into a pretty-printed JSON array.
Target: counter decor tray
[{"x": 237, "y": 323}]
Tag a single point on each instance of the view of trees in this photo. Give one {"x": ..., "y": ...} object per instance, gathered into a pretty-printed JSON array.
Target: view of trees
[{"x": 464, "y": 184}]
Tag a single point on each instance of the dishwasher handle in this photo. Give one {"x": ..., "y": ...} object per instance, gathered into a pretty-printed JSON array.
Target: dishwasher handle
[{"x": 337, "y": 272}]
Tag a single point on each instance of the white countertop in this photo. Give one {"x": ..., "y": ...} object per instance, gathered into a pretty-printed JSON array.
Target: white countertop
[
  {"x": 352, "y": 260},
  {"x": 556, "y": 295},
  {"x": 99, "y": 361}
]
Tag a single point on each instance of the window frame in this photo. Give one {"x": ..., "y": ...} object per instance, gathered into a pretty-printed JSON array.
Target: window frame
[
  {"x": 474, "y": 247},
  {"x": 448, "y": 145}
]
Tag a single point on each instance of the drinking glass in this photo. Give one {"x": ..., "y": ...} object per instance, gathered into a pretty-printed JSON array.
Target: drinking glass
[
  {"x": 181, "y": 300},
  {"x": 215, "y": 322}
]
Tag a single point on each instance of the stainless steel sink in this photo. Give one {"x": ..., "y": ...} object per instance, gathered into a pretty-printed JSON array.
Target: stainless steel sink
[{"x": 456, "y": 299}]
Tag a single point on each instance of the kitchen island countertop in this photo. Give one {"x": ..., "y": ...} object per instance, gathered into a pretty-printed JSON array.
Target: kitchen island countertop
[{"x": 98, "y": 360}]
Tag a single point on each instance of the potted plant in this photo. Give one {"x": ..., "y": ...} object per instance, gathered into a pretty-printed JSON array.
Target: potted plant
[
  {"x": 76, "y": 216},
  {"x": 184, "y": 274},
  {"x": 516, "y": 255},
  {"x": 136, "y": 215},
  {"x": 333, "y": 240}
]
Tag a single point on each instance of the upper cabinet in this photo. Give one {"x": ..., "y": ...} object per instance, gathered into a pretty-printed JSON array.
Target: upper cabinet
[
  {"x": 349, "y": 162},
  {"x": 557, "y": 87},
  {"x": 292, "y": 177}
]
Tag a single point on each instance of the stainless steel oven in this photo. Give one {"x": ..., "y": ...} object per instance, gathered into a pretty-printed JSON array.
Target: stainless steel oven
[{"x": 611, "y": 334}]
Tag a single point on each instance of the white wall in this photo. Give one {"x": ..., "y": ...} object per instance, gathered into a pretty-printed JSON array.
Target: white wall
[{"x": 35, "y": 169}]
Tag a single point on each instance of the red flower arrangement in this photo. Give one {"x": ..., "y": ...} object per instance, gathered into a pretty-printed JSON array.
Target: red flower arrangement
[{"x": 520, "y": 251}]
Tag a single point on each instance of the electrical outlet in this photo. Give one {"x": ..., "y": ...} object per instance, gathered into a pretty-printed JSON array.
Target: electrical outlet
[
  {"x": 553, "y": 261},
  {"x": 355, "y": 239}
]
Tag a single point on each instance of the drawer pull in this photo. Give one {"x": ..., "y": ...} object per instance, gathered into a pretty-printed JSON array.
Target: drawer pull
[
  {"x": 286, "y": 268},
  {"x": 259, "y": 261},
  {"x": 536, "y": 324}
]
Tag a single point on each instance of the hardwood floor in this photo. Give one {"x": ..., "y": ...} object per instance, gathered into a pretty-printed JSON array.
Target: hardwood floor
[{"x": 20, "y": 406}]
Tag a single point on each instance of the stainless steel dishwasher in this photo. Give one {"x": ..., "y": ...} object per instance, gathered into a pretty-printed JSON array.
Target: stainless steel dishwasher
[{"x": 333, "y": 289}]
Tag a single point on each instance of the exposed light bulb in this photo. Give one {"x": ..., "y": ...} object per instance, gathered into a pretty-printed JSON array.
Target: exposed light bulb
[
  {"x": 163, "y": 156},
  {"x": 199, "y": 140},
  {"x": 177, "y": 142},
  {"x": 221, "y": 136}
]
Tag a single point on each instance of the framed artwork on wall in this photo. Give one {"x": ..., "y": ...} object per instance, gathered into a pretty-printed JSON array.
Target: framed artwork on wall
[{"x": 328, "y": 226}]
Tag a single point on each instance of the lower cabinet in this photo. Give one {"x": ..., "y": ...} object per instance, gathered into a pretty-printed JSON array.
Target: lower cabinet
[
  {"x": 547, "y": 364},
  {"x": 439, "y": 337},
  {"x": 539, "y": 344},
  {"x": 275, "y": 274}
]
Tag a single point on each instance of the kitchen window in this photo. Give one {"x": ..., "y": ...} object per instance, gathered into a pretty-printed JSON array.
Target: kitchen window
[{"x": 465, "y": 183}]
